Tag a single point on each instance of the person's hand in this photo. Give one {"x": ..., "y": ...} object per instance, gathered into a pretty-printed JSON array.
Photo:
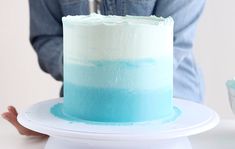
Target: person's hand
[{"x": 11, "y": 116}]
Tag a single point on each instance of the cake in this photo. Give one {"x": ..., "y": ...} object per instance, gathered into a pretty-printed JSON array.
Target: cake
[{"x": 117, "y": 69}]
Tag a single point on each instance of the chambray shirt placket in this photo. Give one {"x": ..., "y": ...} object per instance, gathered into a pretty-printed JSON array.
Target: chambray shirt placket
[{"x": 107, "y": 7}]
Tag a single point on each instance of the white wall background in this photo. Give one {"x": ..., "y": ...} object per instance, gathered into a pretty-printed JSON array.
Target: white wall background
[
  {"x": 22, "y": 83},
  {"x": 215, "y": 52}
]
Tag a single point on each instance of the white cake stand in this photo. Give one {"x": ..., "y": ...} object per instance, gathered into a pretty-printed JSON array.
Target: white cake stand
[{"x": 195, "y": 118}]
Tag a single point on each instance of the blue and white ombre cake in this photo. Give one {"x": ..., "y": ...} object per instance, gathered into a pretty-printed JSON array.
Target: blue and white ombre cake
[{"x": 117, "y": 69}]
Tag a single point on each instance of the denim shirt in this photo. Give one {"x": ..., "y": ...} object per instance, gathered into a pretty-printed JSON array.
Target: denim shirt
[{"x": 46, "y": 34}]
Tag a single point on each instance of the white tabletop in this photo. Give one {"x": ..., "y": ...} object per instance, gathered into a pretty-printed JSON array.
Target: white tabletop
[{"x": 221, "y": 137}]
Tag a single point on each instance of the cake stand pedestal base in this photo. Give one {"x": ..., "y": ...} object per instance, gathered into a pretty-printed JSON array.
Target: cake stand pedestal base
[
  {"x": 195, "y": 118},
  {"x": 63, "y": 143}
]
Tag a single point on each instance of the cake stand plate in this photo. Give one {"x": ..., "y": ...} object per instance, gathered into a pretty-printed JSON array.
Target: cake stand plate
[{"x": 195, "y": 118}]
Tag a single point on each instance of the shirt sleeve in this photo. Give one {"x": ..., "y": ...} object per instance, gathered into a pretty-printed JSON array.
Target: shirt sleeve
[
  {"x": 46, "y": 35},
  {"x": 185, "y": 14}
]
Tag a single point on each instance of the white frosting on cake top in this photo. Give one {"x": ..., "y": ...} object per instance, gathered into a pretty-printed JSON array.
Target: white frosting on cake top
[
  {"x": 97, "y": 37},
  {"x": 96, "y": 19}
]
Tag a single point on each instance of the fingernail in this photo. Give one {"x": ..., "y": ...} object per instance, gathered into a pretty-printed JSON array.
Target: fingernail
[
  {"x": 3, "y": 116},
  {"x": 9, "y": 108}
]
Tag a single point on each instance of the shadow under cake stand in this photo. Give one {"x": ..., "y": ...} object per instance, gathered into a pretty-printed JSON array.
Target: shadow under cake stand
[{"x": 195, "y": 118}]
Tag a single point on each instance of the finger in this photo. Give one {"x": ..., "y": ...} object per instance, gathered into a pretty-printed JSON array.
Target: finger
[
  {"x": 9, "y": 116},
  {"x": 13, "y": 110},
  {"x": 34, "y": 133},
  {"x": 13, "y": 120},
  {"x": 22, "y": 130},
  {"x": 4, "y": 115}
]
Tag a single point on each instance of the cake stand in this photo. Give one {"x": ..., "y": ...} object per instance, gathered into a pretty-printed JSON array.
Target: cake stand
[{"x": 195, "y": 118}]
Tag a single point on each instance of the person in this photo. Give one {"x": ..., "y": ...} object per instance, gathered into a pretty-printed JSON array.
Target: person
[{"x": 46, "y": 37}]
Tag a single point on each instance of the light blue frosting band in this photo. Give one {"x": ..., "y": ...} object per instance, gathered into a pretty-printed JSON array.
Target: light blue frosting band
[
  {"x": 58, "y": 111},
  {"x": 118, "y": 91},
  {"x": 125, "y": 74}
]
